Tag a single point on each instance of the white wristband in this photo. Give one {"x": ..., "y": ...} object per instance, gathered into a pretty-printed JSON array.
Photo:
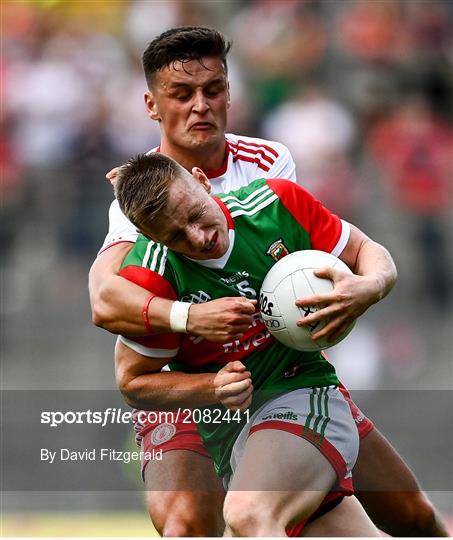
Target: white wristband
[{"x": 179, "y": 314}]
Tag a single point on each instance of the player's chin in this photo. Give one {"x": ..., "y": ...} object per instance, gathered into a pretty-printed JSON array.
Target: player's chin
[
  {"x": 205, "y": 255},
  {"x": 207, "y": 137}
]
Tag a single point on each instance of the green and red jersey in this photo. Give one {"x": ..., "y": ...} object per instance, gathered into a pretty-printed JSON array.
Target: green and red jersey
[{"x": 266, "y": 219}]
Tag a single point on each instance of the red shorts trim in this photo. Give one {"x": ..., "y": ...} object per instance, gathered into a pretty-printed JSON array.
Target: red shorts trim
[
  {"x": 332, "y": 499},
  {"x": 168, "y": 436},
  {"x": 325, "y": 447},
  {"x": 364, "y": 425}
]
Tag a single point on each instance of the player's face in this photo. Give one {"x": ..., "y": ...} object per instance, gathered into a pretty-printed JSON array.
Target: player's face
[
  {"x": 190, "y": 102},
  {"x": 192, "y": 223}
]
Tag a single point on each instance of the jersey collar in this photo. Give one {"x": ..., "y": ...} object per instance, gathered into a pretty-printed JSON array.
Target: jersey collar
[
  {"x": 214, "y": 173},
  {"x": 225, "y": 211}
]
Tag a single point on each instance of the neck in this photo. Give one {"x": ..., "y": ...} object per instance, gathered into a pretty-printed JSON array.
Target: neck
[{"x": 207, "y": 158}]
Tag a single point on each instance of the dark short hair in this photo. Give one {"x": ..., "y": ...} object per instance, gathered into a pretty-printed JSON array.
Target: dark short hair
[
  {"x": 143, "y": 184},
  {"x": 182, "y": 45}
]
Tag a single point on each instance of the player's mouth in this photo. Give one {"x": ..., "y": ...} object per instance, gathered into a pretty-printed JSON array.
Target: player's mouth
[
  {"x": 212, "y": 246},
  {"x": 202, "y": 126}
]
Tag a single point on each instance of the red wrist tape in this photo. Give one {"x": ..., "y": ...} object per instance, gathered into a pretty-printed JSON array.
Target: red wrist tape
[{"x": 145, "y": 313}]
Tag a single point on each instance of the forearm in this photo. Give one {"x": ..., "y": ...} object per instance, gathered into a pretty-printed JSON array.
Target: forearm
[
  {"x": 376, "y": 263},
  {"x": 118, "y": 307},
  {"x": 170, "y": 390},
  {"x": 372, "y": 261},
  {"x": 145, "y": 386},
  {"x": 117, "y": 304}
]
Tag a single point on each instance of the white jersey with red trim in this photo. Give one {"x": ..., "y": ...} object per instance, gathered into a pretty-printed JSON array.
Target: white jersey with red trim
[{"x": 246, "y": 159}]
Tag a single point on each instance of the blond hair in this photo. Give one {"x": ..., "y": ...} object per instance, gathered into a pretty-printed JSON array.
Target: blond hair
[{"x": 142, "y": 187}]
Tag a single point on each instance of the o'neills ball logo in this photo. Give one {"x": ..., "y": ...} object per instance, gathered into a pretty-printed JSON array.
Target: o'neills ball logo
[{"x": 162, "y": 433}]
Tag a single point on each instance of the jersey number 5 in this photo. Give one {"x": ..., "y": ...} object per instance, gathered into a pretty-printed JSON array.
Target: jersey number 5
[{"x": 245, "y": 290}]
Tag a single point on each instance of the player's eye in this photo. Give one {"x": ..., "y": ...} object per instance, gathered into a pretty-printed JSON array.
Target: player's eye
[
  {"x": 197, "y": 214},
  {"x": 181, "y": 94},
  {"x": 213, "y": 91},
  {"x": 175, "y": 238}
]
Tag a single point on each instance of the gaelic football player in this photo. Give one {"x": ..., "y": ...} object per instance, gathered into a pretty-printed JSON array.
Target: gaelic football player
[{"x": 188, "y": 95}]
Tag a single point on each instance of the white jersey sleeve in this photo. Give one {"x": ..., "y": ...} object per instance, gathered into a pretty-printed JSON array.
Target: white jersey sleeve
[
  {"x": 251, "y": 158},
  {"x": 284, "y": 166},
  {"x": 120, "y": 228}
]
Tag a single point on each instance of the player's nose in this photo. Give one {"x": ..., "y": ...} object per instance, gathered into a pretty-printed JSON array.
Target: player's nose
[{"x": 200, "y": 104}]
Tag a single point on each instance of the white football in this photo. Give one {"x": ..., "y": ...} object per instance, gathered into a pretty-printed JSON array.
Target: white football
[{"x": 292, "y": 278}]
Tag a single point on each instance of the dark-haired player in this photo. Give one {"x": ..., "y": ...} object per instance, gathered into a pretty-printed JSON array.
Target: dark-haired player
[{"x": 188, "y": 95}]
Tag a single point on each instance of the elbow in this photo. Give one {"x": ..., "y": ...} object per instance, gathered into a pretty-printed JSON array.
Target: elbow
[
  {"x": 129, "y": 384},
  {"x": 130, "y": 399},
  {"x": 131, "y": 392},
  {"x": 125, "y": 387},
  {"x": 100, "y": 313},
  {"x": 99, "y": 293},
  {"x": 98, "y": 316}
]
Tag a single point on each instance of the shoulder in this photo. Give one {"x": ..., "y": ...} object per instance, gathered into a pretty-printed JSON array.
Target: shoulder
[
  {"x": 278, "y": 186},
  {"x": 269, "y": 152},
  {"x": 147, "y": 265},
  {"x": 148, "y": 254},
  {"x": 260, "y": 157},
  {"x": 115, "y": 214},
  {"x": 291, "y": 193},
  {"x": 245, "y": 193},
  {"x": 249, "y": 200},
  {"x": 155, "y": 149}
]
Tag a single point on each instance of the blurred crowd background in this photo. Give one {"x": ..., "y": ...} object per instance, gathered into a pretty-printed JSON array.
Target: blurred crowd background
[{"x": 359, "y": 90}]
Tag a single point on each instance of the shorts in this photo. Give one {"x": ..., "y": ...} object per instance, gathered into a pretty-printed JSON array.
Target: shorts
[
  {"x": 331, "y": 500},
  {"x": 184, "y": 436},
  {"x": 321, "y": 416},
  {"x": 363, "y": 423},
  {"x": 179, "y": 435}
]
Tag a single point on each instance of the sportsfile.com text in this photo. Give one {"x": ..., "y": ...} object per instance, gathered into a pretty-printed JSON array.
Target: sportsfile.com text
[{"x": 112, "y": 415}]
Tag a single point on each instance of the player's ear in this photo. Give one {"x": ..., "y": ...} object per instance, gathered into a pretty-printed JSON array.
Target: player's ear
[
  {"x": 200, "y": 176},
  {"x": 151, "y": 106}
]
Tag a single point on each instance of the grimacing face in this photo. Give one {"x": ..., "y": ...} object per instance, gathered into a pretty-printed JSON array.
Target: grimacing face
[
  {"x": 190, "y": 101},
  {"x": 192, "y": 223}
]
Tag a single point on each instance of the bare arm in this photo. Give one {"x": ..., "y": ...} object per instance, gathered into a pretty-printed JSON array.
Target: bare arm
[
  {"x": 117, "y": 305},
  {"x": 374, "y": 276},
  {"x": 144, "y": 386},
  {"x": 372, "y": 261}
]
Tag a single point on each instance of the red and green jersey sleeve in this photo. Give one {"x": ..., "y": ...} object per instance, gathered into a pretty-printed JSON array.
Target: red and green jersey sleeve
[
  {"x": 327, "y": 232},
  {"x": 146, "y": 266}
]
